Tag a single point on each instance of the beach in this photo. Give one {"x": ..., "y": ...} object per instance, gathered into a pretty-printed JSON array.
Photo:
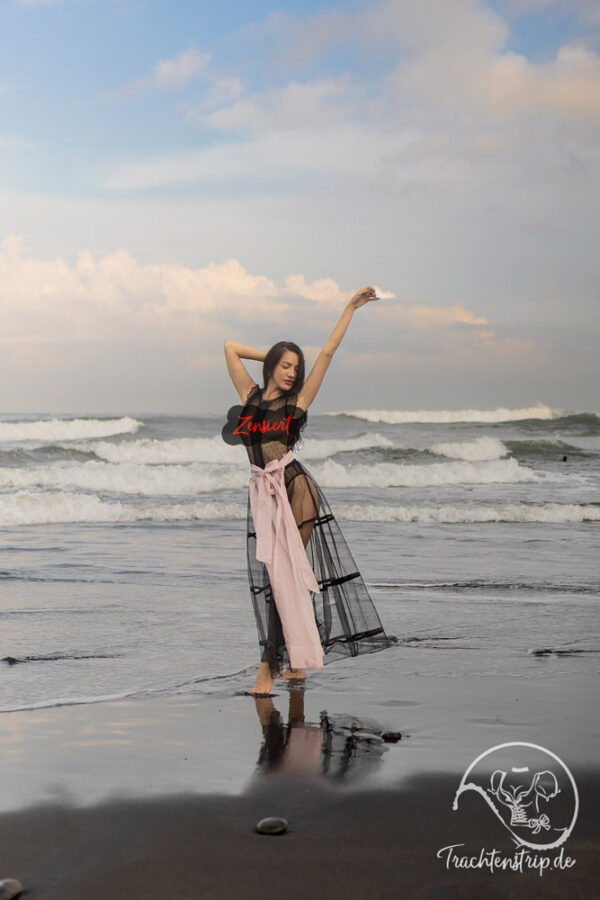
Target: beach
[
  {"x": 160, "y": 797},
  {"x": 132, "y": 765}
]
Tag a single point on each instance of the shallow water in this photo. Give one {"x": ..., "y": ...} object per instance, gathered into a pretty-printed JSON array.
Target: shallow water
[{"x": 122, "y": 558}]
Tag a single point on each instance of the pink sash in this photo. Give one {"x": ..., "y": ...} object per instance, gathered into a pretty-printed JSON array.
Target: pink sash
[{"x": 279, "y": 546}]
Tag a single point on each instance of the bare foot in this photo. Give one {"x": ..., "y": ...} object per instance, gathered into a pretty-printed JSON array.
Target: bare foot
[
  {"x": 296, "y": 674},
  {"x": 264, "y": 680}
]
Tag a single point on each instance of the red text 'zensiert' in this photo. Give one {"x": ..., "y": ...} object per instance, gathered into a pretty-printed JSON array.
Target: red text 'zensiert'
[{"x": 282, "y": 425}]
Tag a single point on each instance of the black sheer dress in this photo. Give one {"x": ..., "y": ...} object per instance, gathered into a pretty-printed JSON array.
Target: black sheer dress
[{"x": 346, "y": 617}]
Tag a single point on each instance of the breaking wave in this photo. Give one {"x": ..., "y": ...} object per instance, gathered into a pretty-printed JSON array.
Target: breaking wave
[
  {"x": 27, "y": 508},
  {"x": 482, "y": 448},
  {"x": 557, "y": 513},
  {"x": 501, "y": 414},
  {"x": 66, "y": 429}
]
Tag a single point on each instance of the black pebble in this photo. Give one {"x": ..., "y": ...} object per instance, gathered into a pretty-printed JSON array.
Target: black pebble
[
  {"x": 391, "y": 737},
  {"x": 272, "y": 825}
]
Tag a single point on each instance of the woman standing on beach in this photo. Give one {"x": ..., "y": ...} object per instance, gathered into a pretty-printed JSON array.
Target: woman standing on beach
[{"x": 310, "y": 601}]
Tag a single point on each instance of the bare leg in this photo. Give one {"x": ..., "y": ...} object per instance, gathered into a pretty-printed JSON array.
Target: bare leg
[
  {"x": 264, "y": 680},
  {"x": 299, "y": 674}
]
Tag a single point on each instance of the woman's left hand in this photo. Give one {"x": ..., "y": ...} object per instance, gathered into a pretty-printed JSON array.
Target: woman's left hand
[{"x": 364, "y": 295}]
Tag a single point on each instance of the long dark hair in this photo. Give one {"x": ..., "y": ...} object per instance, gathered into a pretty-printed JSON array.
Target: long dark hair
[{"x": 273, "y": 357}]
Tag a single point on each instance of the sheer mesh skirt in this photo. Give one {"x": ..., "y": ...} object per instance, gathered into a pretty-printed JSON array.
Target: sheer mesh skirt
[{"x": 346, "y": 617}]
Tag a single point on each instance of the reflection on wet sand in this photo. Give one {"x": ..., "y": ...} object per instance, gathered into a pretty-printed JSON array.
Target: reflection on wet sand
[{"x": 341, "y": 748}]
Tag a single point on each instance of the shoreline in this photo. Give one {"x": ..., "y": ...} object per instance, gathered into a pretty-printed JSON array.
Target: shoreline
[{"x": 159, "y": 797}]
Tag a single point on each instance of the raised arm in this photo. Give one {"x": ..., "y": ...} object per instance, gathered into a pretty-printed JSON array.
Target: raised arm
[
  {"x": 310, "y": 388},
  {"x": 234, "y": 354}
]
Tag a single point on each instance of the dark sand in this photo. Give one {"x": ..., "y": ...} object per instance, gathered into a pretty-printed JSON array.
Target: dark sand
[
  {"x": 380, "y": 844},
  {"x": 159, "y": 798}
]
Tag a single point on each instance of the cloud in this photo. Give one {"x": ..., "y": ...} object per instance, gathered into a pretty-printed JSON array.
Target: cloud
[
  {"x": 48, "y": 302},
  {"x": 168, "y": 74},
  {"x": 449, "y": 53},
  {"x": 569, "y": 86},
  {"x": 587, "y": 11},
  {"x": 510, "y": 348},
  {"x": 173, "y": 74},
  {"x": 452, "y": 104},
  {"x": 48, "y": 305},
  {"x": 324, "y": 291},
  {"x": 223, "y": 90},
  {"x": 295, "y": 106},
  {"x": 441, "y": 316},
  {"x": 345, "y": 153},
  {"x": 455, "y": 57},
  {"x": 421, "y": 316}
]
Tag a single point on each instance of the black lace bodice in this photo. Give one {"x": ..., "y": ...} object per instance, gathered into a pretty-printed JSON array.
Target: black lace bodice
[{"x": 282, "y": 421}]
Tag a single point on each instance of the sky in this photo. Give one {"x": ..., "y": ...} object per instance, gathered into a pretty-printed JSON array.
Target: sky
[{"x": 175, "y": 174}]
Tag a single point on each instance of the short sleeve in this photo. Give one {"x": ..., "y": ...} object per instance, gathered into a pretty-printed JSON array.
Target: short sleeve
[
  {"x": 251, "y": 392},
  {"x": 293, "y": 401}
]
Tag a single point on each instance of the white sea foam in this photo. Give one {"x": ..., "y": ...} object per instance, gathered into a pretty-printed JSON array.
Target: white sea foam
[
  {"x": 133, "y": 478},
  {"x": 215, "y": 450},
  {"x": 501, "y": 414},
  {"x": 481, "y": 448},
  {"x": 127, "y": 478},
  {"x": 508, "y": 471},
  {"x": 54, "y": 507},
  {"x": 177, "y": 450},
  {"x": 66, "y": 429},
  {"x": 325, "y": 447},
  {"x": 51, "y": 507},
  {"x": 545, "y": 512}
]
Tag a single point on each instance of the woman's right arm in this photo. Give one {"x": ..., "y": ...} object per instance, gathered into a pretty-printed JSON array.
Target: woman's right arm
[{"x": 234, "y": 354}]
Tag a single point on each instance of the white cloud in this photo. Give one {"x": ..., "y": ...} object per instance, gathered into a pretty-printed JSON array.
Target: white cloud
[
  {"x": 506, "y": 85},
  {"x": 345, "y": 151},
  {"x": 324, "y": 291},
  {"x": 168, "y": 74},
  {"x": 448, "y": 53},
  {"x": 116, "y": 297},
  {"x": 173, "y": 74},
  {"x": 441, "y": 316},
  {"x": 425, "y": 316},
  {"x": 223, "y": 90},
  {"x": 455, "y": 104},
  {"x": 48, "y": 304},
  {"x": 297, "y": 106}
]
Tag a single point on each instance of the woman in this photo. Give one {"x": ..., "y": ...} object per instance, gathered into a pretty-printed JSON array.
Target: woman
[{"x": 310, "y": 601}]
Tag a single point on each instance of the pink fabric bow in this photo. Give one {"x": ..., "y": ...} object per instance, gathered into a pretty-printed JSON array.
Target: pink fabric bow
[{"x": 279, "y": 546}]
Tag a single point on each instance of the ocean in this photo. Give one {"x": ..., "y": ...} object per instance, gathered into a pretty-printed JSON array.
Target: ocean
[{"x": 123, "y": 547}]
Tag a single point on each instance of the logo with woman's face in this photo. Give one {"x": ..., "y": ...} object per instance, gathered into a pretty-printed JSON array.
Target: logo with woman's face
[{"x": 529, "y": 789}]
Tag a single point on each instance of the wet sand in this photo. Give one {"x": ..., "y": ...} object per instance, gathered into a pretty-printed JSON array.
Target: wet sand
[
  {"x": 381, "y": 844},
  {"x": 159, "y": 798}
]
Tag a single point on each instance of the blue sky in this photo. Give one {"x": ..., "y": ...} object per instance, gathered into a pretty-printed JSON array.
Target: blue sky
[{"x": 175, "y": 174}]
